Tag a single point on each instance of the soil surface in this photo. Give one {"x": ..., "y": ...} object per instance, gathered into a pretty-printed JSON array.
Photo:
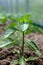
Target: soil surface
[{"x": 6, "y": 55}]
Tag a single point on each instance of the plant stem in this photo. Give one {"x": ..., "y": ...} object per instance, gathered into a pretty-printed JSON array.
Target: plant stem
[{"x": 23, "y": 45}]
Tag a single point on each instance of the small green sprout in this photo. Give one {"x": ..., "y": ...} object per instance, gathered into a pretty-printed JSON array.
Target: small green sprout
[{"x": 23, "y": 24}]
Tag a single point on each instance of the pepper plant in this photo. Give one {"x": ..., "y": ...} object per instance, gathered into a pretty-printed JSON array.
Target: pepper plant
[{"x": 23, "y": 24}]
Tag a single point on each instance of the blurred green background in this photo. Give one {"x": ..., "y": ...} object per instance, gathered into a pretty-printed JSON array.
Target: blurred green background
[{"x": 20, "y": 7}]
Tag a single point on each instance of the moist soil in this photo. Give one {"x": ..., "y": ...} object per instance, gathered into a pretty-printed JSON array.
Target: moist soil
[{"x": 6, "y": 54}]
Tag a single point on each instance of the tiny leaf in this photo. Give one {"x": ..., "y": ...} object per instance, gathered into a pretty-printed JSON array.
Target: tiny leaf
[
  {"x": 8, "y": 33},
  {"x": 16, "y": 51},
  {"x": 34, "y": 47},
  {"x": 14, "y": 62},
  {"x": 4, "y": 43},
  {"x": 22, "y": 61},
  {"x": 31, "y": 59}
]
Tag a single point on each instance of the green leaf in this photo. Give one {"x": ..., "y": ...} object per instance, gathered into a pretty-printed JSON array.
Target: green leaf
[
  {"x": 27, "y": 31},
  {"x": 8, "y": 33},
  {"x": 26, "y": 18},
  {"x": 16, "y": 51},
  {"x": 4, "y": 43},
  {"x": 34, "y": 28},
  {"x": 22, "y": 27},
  {"x": 19, "y": 19},
  {"x": 2, "y": 20},
  {"x": 31, "y": 59},
  {"x": 38, "y": 30},
  {"x": 14, "y": 62},
  {"x": 34, "y": 47},
  {"x": 22, "y": 61},
  {"x": 13, "y": 24}
]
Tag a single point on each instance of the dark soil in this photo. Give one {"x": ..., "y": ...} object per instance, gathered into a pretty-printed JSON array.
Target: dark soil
[{"x": 6, "y": 55}]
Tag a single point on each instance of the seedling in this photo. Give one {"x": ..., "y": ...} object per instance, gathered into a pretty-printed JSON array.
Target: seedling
[{"x": 24, "y": 25}]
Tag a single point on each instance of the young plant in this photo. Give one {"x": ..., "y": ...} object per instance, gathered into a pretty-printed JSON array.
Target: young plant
[{"x": 24, "y": 25}]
